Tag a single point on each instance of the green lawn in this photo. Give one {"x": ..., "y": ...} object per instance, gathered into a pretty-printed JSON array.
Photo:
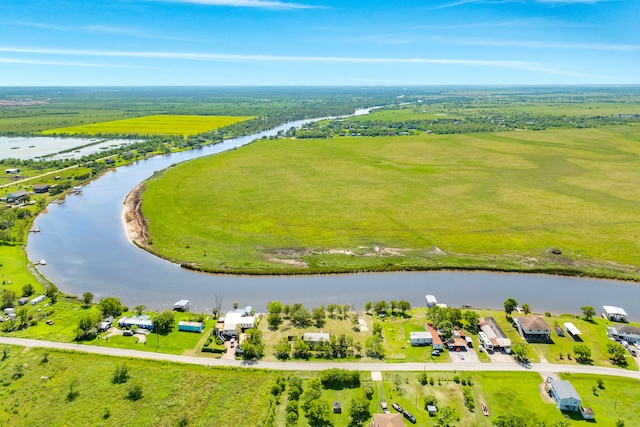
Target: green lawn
[
  {"x": 171, "y": 392},
  {"x": 495, "y": 201}
]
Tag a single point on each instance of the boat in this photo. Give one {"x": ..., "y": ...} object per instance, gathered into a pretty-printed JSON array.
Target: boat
[
  {"x": 485, "y": 410},
  {"x": 42, "y": 262},
  {"x": 77, "y": 190}
]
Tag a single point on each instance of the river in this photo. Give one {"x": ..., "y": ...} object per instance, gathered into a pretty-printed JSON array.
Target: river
[{"x": 86, "y": 249}]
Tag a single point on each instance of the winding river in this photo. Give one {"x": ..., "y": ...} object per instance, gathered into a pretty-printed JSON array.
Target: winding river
[{"x": 86, "y": 249}]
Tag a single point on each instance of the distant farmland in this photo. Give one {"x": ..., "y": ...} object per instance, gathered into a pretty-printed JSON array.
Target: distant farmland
[{"x": 151, "y": 125}]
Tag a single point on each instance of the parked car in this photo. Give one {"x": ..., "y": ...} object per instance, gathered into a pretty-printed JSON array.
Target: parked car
[
  {"x": 632, "y": 351},
  {"x": 408, "y": 415},
  {"x": 127, "y": 333},
  {"x": 461, "y": 356},
  {"x": 397, "y": 407},
  {"x": 384, "y": 406},
  {"x": 435, "y": 353},
  {"x": 637, "y": 345}
]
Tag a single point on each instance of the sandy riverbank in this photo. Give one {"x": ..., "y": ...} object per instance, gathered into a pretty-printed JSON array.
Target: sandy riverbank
[{"x": 135, "y": 224}]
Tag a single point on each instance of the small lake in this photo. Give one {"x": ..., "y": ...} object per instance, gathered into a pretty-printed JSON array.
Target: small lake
[
  {"x": 25, "y": 148},
  {"x": 86, "y": 249}
]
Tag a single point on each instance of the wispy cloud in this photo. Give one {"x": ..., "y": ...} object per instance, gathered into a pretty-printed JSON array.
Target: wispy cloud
[
  {"x": 60, "y": 63},
  {"x": 221, "y": 57},
  {"x": 466, "y": 2},
  {"x": 261, "y": 4},
  {"x": 548, "y": 45}
]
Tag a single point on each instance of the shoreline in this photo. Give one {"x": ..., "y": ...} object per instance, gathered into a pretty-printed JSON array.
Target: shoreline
[{"x": 134, "y": 223}]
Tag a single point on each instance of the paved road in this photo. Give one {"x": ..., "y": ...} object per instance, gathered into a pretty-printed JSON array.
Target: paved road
[{"x": 318, "y": 366}]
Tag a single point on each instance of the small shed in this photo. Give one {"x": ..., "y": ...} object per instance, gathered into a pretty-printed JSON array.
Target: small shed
[
  {"x": 23, "y": 301},
  {"x": 432, "y": 410},
  {"x": 587, "y": 413},
  {"x": 182, "y": 305},
  {"x": 12, "y": 171},
  {"x": 337, "y": 408},
  {"x": 190, "y": 326},
  {"x": 41, "y": 188}
]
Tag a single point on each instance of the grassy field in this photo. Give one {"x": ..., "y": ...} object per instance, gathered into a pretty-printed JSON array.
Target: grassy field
[
  {"x": 170, "y": 392},
  {"x": 496, "y": 201},
  {"x": 151, "y": 125}
]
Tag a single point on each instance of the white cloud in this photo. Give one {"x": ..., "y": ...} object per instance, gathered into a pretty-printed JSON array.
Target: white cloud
[
  {"x": 549, "y": 45},
  {"x": 262, "y": 4}
]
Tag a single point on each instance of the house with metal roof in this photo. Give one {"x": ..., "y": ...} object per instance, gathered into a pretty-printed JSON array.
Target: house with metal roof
[
  {"x": 566, "y": 397},
  {"x": 420, "y": 338},
  {"x": 614, "y": 313},
  {"x": 491, "y": 335}
]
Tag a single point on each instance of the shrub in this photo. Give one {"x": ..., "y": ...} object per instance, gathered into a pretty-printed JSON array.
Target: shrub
[
  {"x": 121, "y": 375},
  {"x": 135, "y": 392},
  {"x": 337, "y": 379}
]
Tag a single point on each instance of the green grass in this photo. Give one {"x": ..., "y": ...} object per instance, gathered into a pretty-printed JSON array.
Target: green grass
[
  {"x": 170, "y": 391},
  {"x": 151, "y": 125},
  {"x": 493, "y": 201}
]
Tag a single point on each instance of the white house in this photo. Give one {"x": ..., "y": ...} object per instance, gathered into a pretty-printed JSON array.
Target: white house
[
  {"x": 624, "y": 333},
  {"x": 613, "y": 313},
  {"x": 142, "y": 321},
  {"x": 565, "y": 395},
  {"x": 533, "y": 328},
  {"x": 235, "y": 319},
  {"x": 420, "y": 338},
  {"x": 313, "y": 338}
]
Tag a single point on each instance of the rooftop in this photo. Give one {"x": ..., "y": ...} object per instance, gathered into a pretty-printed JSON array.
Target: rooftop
[
  {"x": 611, "y": 309},
  {"x": 535, "y": 323},
  {"x": 564, "y": 390}
]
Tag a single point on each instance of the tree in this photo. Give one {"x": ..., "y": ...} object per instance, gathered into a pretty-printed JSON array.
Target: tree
[
  {"x": 510, "y": 304},
  {"x": 87, "y": 328},
  {"x": 588, "y": 312},
  {"x": 139, "y": 309},
  {"x": 377, "y": 329},
  {"x": 283, "y": 349},
  {"x": 301, "y": 318},
  {"x": 471, "y": 317},
  {"x": 87, "y": 299},
  {"x": 380, "y": 307},
  {"x": 110, "y": 306},
  {"x": 235, "y": 305},
  {"x": 52, "y": 293},
  {"x": 393, "y": 304},
  {"x": 331, "y": 308},
  {"x": 319, "y": 316},
  {"x": 274, "y": 321},
  {"x": 583, "y": 353},
  {"x": 317, "y": 412},
  {"x": 8, "y": 299},
  {"x": 23, "y": 316},
  {"x": 446, "y": 416},
  {"x": 367, "y": 306},
  {"x": 520, "y": 353},
  {"x": 301, "y": 350},
  {"x": 27, "y": 290},
  {"x": 617, "y": 353},
  {"x": 404, "y": 306},
  {"x": 430, "y": 399},
  {"x": 526, "y": 308},
  {"x": 274, "y": 307},
  {"x": 359, "y": 410},
  {"x": 163, "y": 322},
  {"x": 374, "y": 347},
  {"x": 253, "y": 348}
]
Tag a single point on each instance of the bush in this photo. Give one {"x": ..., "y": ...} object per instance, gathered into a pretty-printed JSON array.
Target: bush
[
  {"x": 121, "y": 375},
  {"x": 135, "y": 392},
  {"x": 337, "y": 379}
]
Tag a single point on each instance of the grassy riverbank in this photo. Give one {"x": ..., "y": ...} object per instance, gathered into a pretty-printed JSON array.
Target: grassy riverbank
[{"x": 498, "y": 201}]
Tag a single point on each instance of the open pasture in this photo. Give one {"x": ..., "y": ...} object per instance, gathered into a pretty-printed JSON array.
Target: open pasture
[
  {"x": 496, "y": 200},
  {"x": 151, "y": 125}
]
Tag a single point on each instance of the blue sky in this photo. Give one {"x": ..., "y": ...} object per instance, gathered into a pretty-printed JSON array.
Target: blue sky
[{"x": 318, "y": 42}]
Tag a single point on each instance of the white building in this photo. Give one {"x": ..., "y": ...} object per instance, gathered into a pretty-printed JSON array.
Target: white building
[
  {"x": 431, "y": 300},
  {"x": 420, "y": 338},
  {"x": 624, "y": 333},
  {"x": 235, "y": 320},
  {"x": 614, "y": 313},
  {"x": 313, "y": 338},
  {"x": 565, "y": 395}
]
